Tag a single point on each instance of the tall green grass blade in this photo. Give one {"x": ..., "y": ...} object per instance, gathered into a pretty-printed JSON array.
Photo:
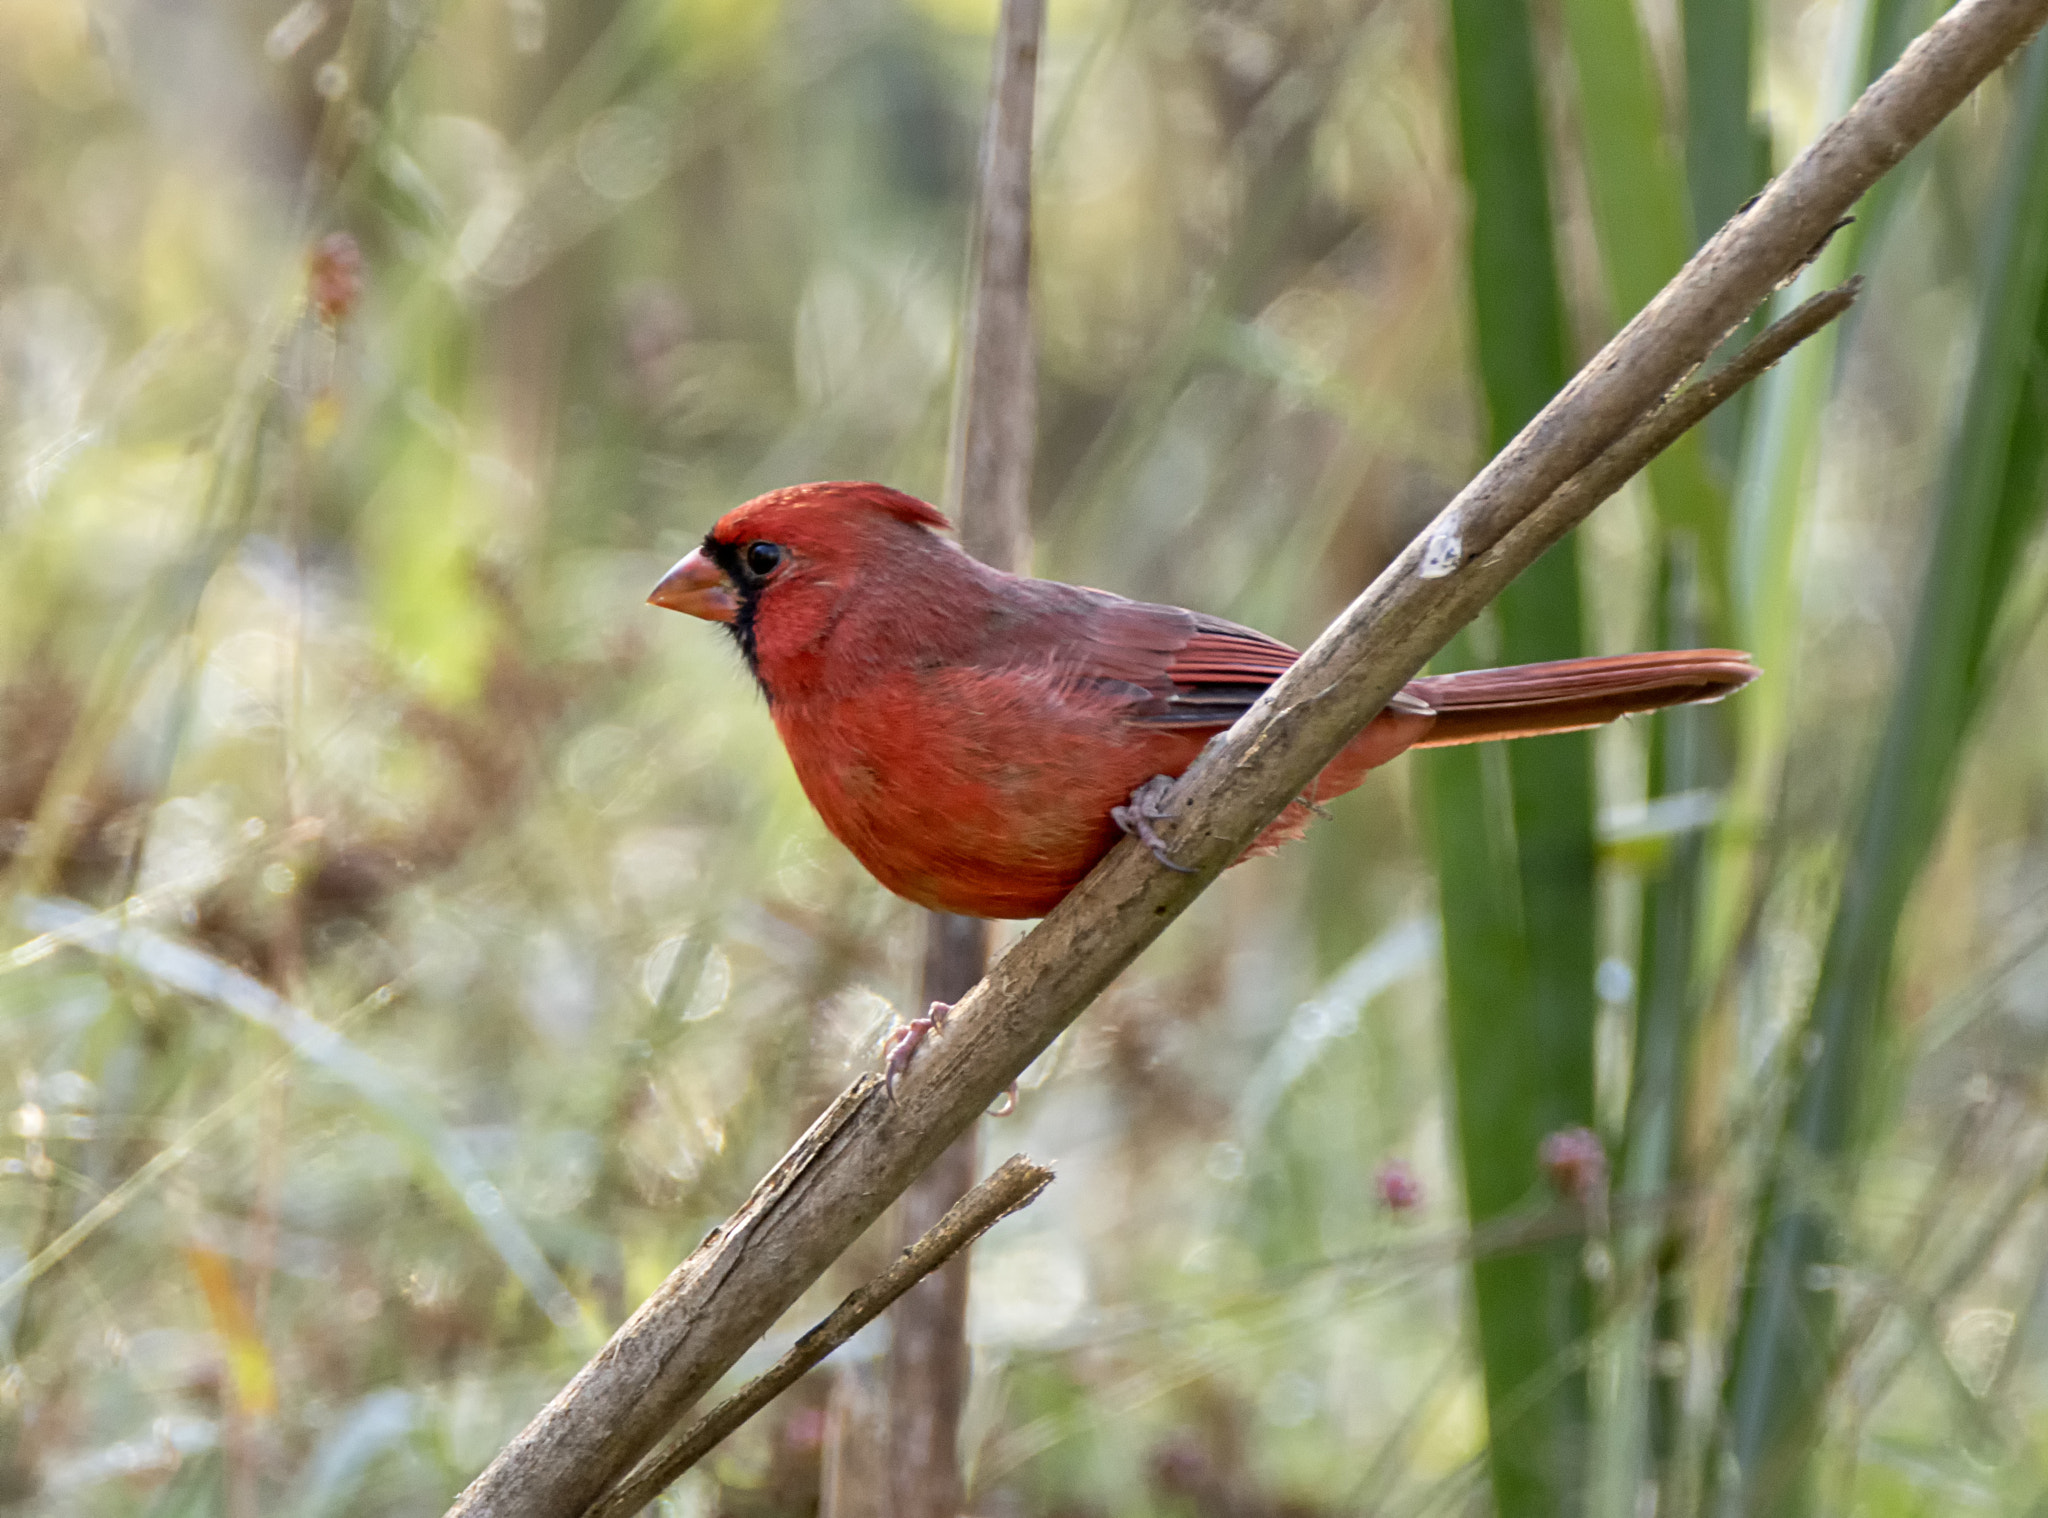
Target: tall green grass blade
[
  {"x": 1727, "y": 154},
  {"x": 1727, "y": 158},
  {"x": 1640, "y": 215},
  {"x": 1892, "y": 25},
  {"x": 1517, "y": 308},
  {"x": 1780, "y": 444},
  {"x": 1530, "y": 1304},
  {"x": 1512, "y": 830},
  {"x": 1781, "y": 431},
  {"x": 1644, "y": 224},
  {"x": 1638, "y": 192},
  {"x": 1644, "y": 1414},
  {"x": 1990, "y": 503}
]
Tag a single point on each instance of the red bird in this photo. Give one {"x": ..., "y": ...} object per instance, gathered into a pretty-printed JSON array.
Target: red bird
[{"x": 978, "y": 738}]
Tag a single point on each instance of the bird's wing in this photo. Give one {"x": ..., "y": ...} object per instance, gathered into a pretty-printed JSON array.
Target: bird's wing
[
  {"x": 1215, "y": 676},
  {"x": 1173, "y": 668}
]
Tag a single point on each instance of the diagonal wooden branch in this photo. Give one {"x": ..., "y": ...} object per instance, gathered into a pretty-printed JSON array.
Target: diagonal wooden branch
[
  {"x": 866, "y": 1149},
  {"x": 1014, "y": 1184}
]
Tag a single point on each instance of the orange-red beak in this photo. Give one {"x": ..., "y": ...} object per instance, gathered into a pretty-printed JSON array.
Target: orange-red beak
[{"x": 698, "y": 588}]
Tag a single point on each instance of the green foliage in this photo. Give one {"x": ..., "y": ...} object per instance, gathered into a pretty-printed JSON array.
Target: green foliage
[{"x": 1513, "y": 830}]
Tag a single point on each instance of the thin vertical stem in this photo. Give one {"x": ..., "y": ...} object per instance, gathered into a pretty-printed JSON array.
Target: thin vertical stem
[{"x": 989, "y": 492}]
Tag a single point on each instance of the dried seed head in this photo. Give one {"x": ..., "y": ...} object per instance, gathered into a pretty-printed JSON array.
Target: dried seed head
[
  {"x": 1575, "y": 1163},
  {"x": 334, "y": 278}
]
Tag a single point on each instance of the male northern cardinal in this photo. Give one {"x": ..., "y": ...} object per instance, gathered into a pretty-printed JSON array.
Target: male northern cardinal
[{"x": 978, "y": 738}]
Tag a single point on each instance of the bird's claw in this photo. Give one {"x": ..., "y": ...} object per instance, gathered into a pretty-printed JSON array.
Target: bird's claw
[
  {"x": 904, "y": 1042},
  {"x": 1147, "y": 806}
]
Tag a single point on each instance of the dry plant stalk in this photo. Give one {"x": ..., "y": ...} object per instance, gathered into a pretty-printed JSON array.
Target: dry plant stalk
[
  {"x": 1014, "y": 1184},
  {"x": 866, "y": 1149},
  {"x": 989, "y": 494},
  {"x": 927, "y": 1367},
  {"x": 995, "y": 425}
]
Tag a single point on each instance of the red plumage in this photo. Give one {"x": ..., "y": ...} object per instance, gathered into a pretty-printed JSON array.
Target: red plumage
[{"x": 966, "y": 732}]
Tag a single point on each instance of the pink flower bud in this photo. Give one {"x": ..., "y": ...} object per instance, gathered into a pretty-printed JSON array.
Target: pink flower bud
[{"x": 1399, "y": 1187}]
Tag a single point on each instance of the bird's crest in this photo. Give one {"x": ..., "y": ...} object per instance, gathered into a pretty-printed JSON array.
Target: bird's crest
[{"x": 837, "y": 496}]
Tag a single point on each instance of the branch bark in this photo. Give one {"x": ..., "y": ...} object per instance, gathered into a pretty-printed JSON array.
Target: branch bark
[
  {"x": 1014, "y": 1184},
  {"x": 866, "y": 1149}
]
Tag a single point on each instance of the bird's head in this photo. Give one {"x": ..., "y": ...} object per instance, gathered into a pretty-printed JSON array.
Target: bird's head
[{"x": 791, "y": 552}]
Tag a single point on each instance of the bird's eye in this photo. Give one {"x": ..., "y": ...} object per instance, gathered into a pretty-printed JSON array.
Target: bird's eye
[{"x": 763, "y": 557}]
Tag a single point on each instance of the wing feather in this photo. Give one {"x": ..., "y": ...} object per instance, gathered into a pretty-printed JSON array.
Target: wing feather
[
  {"x": 1166, "y": 666},
  {"x": 1205, "y": 672}
]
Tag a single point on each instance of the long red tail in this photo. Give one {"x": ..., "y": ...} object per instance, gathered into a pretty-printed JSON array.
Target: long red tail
[
  {"x": 1519, "y": 701},
  {"x": 1523, "y": 700}
]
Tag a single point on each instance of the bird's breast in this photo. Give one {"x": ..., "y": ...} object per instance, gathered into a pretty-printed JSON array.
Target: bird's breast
[{"x": 985, "y": 792}]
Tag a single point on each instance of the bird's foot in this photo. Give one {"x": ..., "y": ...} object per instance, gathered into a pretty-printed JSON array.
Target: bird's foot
[
  {"x": 1147, "y": 806},
  {"x": 904, "y": 1042}
]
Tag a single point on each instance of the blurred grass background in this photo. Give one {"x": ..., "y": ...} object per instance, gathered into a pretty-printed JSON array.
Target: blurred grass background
[{"x": 415, "y": 943}]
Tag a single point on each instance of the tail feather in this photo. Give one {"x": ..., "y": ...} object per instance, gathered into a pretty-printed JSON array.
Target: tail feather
[
  {"x": 1524, "y": 700},
  {"x": 1521, "y": 701}
]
